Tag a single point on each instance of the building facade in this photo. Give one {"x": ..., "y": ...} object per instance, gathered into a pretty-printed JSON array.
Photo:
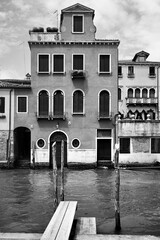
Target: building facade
[
  {"x": 72, "y": 95},
  {"x": 138, "y": 97}
]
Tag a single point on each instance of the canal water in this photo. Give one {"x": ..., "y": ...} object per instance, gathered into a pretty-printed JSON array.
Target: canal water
[{"x": 26, "y": 199}]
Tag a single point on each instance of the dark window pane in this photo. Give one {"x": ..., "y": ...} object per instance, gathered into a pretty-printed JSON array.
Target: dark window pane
[
  {"x": 77, "y": 62},
  {"x": 78, "y": 102},
  {"x": 151, "y": 71},
  {"x": 155, "y": 145},
  {"x": 137, "y": 93},
  {"x": 78, "y": 24},
  {"x": 119, "y": 70},
  {"x": 144, "y": 93},
  {"x": 119, "y": 94},
  {"x": 130, "y": 70},
  {"x": 43, "y": 103},
  {"x": 58, "y": 63},
  {"x": 58, "y": 103},
  {"x": 130, "y": 93},
  {"x": 2, "y": 104},
  {"x": 22, "y": 104},
  {"x": 104, "y": 104},
  {"x": 104, "y": 63},
  {"x": 43, "y": 63},
  {"x": 152, "y": 93},
  {"x": 124, "y": 145}
]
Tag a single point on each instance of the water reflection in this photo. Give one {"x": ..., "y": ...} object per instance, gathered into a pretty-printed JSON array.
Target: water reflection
[{"x": 26, "y": 202}]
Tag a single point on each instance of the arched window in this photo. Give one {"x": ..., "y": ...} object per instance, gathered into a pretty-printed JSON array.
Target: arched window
[
  {"x": 137, "y": 93},
  {"x": 119, "y": 94},
  {"x": 104, "y": 102},
  {"x": 130, "y": 93},
  {"x": 152, "y": 93},
  {"x": 43, "y": 99},
  {"x": 78, "y": 102},
  {"x": 144, "y": 93},
  {"x": 58, "y": 103}
]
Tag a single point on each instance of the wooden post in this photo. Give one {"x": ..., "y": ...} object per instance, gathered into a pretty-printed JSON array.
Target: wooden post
[
  {"x": 62, "y": 171},
  {"x": 33, "y": 154},
  {"x": 55, "y": 177},
  {"x": 117, "y": 181}
]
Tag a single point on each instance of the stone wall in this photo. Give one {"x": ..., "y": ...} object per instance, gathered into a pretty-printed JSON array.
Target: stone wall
[{"x": 3, "y": 145}]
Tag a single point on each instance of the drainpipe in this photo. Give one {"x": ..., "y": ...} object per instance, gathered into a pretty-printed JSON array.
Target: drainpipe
[
  {"x": 9, "y": 132},
  {"x": 158, "y": 92}
]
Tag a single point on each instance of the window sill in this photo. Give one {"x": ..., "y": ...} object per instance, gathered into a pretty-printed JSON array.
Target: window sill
[
  {"x": 2, "y": 116},
  {"x": 131, "y": 76},
  {"x": 78, "y": 114},
  {"x": 152, "y": 76},
  {"x": 43, "y": 73},
  {"x": 120, "y": 76},
  {"x": 105, "y": 73},
  {"x": 59, "y": 73},
  {"x": 104, "y": 117}
]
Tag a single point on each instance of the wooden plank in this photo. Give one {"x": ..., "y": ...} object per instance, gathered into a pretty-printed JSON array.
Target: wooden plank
[
  {"x": 86, "y": 225},
  {"x": 66, "y": 225},
  {"x": 20, "y": 236},
  {"x": 55, "y": 222},
  {"x": 115, "y": 237}
]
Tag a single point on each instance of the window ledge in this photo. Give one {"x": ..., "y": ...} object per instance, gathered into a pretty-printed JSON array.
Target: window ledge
[
  {"x": 2, "y": 116},
  {"x": 105, "y": 73},
  {"x": 78, "y": 114},
  {"x": 131, "y": 75},
  {"x": 43, "y": 73},
  {"x": 152, "y": 76},
  {"x": 105, "y": 117},
  {"x": 59, "y": 73},
  {"x": 120, "y": 75}
]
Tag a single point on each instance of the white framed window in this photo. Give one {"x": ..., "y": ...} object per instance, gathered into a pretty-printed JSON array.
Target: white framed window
[
  {"x": 104, "y": 63},
  {"x": 2, "y": 104},
  {"x": 78, "y": 23},
  {"x": 58, "y": 63},
  {"x": 22, "y": 104},
  {"x": 78, "y": 102},
  {"x": 41, "y": 143},
  {"x": 43, "y": 63},
  {"x": 78, "y": 61}
]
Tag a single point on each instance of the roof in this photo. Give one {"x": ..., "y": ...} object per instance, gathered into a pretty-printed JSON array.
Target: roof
[
  {"x": 140, "y": 54},
  {"x": 77, "y": 8},
  {"x": 15, "y": 83},
  {"x": 131, "y": 62}
]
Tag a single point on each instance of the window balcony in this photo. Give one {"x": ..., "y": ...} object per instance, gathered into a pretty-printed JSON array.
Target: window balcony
[
  {"x": 141, "y": 101},
  {"x": 2, "y": 116},
  {"x": 42, "y": 116},
  {"x": 152, "y": 75},
  {"x": 44, "y": 36},
  {"x": 51, "y": 116},
  {"x": 78, "y": 74}
]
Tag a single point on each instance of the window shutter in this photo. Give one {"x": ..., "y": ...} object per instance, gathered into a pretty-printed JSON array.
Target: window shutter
[
  {"x": 58, "y": 103},
  {"x": 58, "y": 63},
  {"x": 104, "y": 104},
  {"x": 78, "y": 102},
  {"x": 78, "y": 24},
  {"x": 43, "y": 63},
  {"x": 77, "y": 62},
  {"x": 2, "y": 104},
  {"x": 43, "y": 103}
]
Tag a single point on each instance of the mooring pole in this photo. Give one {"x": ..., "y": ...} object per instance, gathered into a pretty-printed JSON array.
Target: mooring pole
[
  {"x": 117, "y": 181},
  {"x": 33, "y": 154},
  {"x": 55, "y": 176},
  {"x": 62, "y": 171}
]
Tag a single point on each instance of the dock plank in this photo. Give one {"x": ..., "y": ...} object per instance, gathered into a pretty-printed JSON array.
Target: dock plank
[
  {"x": 20, "y": 236},
  {"x": 86, "y": 225},
  {"x": 115, "y": 237}
]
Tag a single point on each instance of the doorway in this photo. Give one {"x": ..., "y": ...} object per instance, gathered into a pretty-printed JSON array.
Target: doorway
[
  {"x": 57, "y": 137},
  {"x": 104, "y": 153},
  {"x": 22, "y": 144}
]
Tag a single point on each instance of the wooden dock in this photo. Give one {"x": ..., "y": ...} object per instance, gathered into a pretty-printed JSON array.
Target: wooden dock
[{"x": 64, "y": 226}]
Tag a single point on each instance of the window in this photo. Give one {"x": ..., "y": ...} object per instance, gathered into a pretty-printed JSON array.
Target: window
[
  {"x": 119, "y": 70},
  {"x": 152, "y": 93},
  {"x": 119, "y": 94},
  {"x": 104, "y": 104},
  {"x": 41, "y": 143},
  {"x": 43, "y": 103},
  {"x": 76, "y": 143},
  {"x": 22, "y": 106},
  {"x": 155, "y": 145},
  {"x": 124, "y": 145},
  {"x": 144, "y": 93},
  {"x": 43, "y": 63},
  {"x": 77, "y": 24},
  {"x": 104, "y": 63},
  {"x": 78, "y": 62},
  {"x": 58, "y": 103},
  {"x": 152, "y": 71},
  {"x": 2, "y": 105},
  {"x": 58, "y": 63},
  {"x": 137, "y": 93},
  {"x": 78, "y": 102},
  {"x": 130, "y": 93},
  {"x": 130, "y": 71}
]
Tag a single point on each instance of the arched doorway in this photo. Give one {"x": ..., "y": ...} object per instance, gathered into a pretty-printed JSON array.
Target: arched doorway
[
  {"x": 22, "y": 144},
  {"x": 57, "y": 137}
]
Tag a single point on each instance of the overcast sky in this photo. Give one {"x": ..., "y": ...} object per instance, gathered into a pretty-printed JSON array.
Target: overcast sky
[{"x": 136, "y": 23}]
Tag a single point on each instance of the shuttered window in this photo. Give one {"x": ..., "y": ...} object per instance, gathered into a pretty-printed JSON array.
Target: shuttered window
[
  {"x": 155, "y": 145},
  {"x": 78, "y": 102},
  {"x": 22, "y": 104},
  {"x": 43, "y": 103},
  {"x": 58, "y": 63},
  {"x": 104, "y": 104},
  {"x": 77, "y": 24},
  {"x": 104, "y": 63},
  {"x": 43, "y": 63},
  {"x": 58, "y": 101},
  {"x": 124, "y": 145},
  {"x": 2, "y": 105},
  {"x": 78, "y": 62}
]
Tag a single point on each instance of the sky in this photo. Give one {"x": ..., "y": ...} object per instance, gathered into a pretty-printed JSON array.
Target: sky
[{"x": 136, "y": 23}]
